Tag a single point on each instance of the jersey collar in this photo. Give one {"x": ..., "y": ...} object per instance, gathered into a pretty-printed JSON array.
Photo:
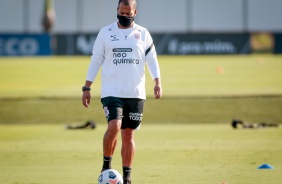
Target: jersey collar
[{"x": 116, "y": 28}]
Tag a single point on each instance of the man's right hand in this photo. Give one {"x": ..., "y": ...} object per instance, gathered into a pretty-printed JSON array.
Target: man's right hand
[{"x": 86, "y": 96}]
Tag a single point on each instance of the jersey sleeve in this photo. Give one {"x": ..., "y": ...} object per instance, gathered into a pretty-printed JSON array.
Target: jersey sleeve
[
  {"x": 151, "y": 57},
  {"x": 97, "y": 57}
]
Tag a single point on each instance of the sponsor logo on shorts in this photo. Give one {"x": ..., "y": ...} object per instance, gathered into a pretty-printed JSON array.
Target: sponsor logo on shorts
[{"x": 135, "y": 116}]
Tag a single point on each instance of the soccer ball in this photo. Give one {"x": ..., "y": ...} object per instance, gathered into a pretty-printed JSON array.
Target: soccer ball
[{"x": 110, "y": 176}]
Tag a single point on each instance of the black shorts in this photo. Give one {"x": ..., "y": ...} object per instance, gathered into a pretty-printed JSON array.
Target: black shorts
[{"x": 129, "y": 110}]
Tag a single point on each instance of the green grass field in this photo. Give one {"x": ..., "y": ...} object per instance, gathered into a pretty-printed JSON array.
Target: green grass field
[
  {"x": 185, "y": 137},
  {"x": 181, "y": 76},
  {"x": 45, "y": 154}
]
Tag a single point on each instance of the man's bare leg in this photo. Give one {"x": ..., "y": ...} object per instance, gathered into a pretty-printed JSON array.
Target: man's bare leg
[
  {"x": 110, "y": 142},
  {"x": 127, "y": 151}
]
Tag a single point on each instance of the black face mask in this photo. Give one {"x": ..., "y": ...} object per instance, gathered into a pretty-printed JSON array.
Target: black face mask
[{"x": 125, "y": 21}]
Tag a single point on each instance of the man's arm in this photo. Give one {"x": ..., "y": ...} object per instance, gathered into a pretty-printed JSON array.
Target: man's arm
[
  {"x": 153, "y": 65},
  {"x": 97, "y": 59}
]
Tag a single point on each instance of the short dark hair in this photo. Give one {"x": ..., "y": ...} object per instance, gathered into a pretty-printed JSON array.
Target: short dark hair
[{"x": 128, "y": 2}]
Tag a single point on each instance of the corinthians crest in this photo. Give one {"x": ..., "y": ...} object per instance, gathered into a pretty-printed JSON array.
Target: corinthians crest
[{"x": 137, "y": 36}]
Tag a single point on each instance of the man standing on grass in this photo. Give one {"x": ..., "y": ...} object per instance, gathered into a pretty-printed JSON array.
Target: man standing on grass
[{"x": 121, "y": 50}]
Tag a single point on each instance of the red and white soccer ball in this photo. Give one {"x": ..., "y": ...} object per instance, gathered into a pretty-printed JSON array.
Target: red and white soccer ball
[{"x": 110, "y": 176}]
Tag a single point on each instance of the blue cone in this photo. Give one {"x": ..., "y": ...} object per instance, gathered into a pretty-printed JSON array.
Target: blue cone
[{"x": 265, "y": 166}]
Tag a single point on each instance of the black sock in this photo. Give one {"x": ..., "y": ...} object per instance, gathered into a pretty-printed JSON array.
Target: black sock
[
  {"x": 126, "y": 172},
  {"x": 107, "y": 163}
]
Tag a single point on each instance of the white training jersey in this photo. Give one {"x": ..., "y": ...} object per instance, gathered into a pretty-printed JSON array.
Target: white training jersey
[{"x": 122, "y": 58}]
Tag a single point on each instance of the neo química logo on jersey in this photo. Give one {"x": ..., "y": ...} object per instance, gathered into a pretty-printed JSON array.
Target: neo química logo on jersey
[{"x": 120, "y": 56}]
